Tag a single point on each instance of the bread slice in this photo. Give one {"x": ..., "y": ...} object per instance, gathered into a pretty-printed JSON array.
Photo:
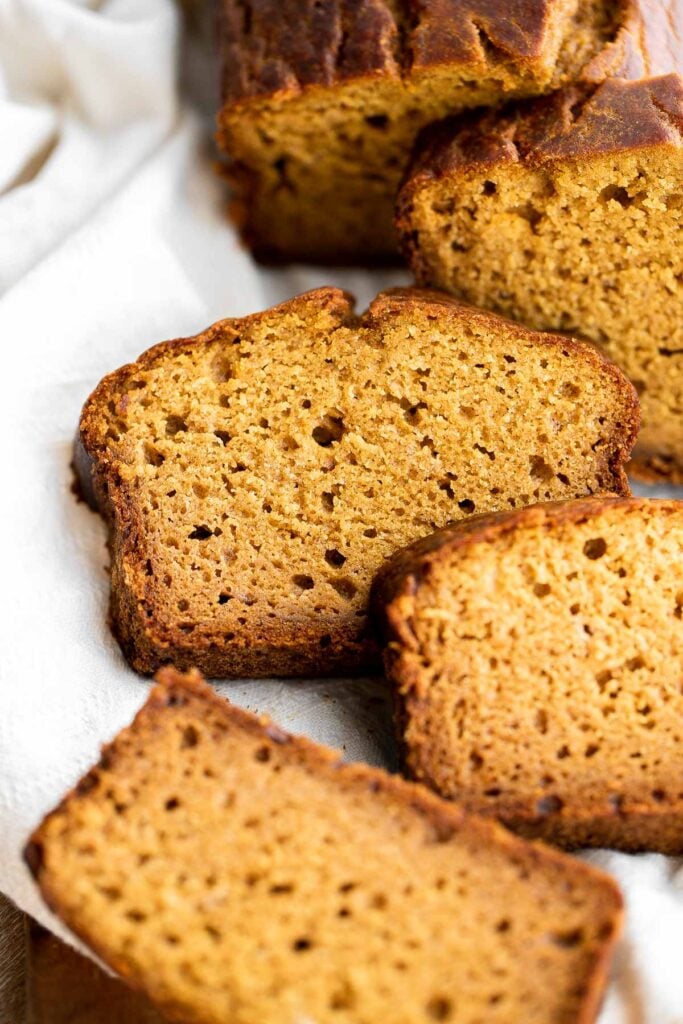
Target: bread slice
[
  {"x": 366, "y": 75},
  {"x": 236, "y": 873},
  {"x": 255, "y": 477},
  {"x": 537, "y": 658},
  {"x": 567, "y": 214}
]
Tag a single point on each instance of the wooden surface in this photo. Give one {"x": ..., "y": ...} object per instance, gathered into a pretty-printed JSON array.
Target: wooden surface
[
  {"x": 12, "y": 964},
  {"x": 42, "y": 981},
  {"x": 64, "y": 988}
]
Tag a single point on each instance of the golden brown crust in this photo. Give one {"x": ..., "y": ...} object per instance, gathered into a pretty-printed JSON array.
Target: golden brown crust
[
  {"x": 624, "y": 823},
  {"x": 275, "y": 46},
  {"x": 635, "y": 829},
  {"x": 455, "y": 31},
  {"x": 175, "y": 692},
  {"x": 271, "y": 47},
  {"x": 576, "y": 122},
  {"x": 144, "y": 644}
]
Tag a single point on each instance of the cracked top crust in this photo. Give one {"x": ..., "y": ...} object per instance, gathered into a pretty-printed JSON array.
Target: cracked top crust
[
  {"x": 574, "y": 122},
  {"x": 283, "y": 46}
]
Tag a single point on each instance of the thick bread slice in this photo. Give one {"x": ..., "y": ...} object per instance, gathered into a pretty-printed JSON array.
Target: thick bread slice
[
  {"x": 366, "y": 75},
  {"x": 537, "y": 658},
  {"x": 256, "y": 477},
  {"x": 567, "y": 214},
  {"x": 236, "y": 873}
]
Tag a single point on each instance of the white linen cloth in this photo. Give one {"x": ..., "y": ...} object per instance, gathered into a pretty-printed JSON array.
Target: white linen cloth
[{"x": 113, "y": 237}]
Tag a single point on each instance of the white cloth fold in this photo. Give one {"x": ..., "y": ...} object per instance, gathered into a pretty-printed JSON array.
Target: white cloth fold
[
  {"x": 113, "y": 237},
  {"x": 88, "y": 94}
]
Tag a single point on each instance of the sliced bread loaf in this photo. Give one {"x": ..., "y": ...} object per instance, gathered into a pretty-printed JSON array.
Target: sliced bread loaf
[
  {"x": 567, "y": 214},
  {"x": 366, "y": 75},
  {"x": 256, "y": 477},
  {"x": 235, "y": 873},
  {"x": 537, "y": 658}
]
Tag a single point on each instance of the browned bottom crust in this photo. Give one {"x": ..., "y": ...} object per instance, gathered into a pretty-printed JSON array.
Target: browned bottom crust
[
  {"x": 341, "y": 657},
  {"x": 633, "y": 831}
]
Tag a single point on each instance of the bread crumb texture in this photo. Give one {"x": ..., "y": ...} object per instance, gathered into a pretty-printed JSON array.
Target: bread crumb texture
[
  {"x": 567, "y": 214},
  {"x": 255, "y": 477},
  {"x": 367, "y": 76},
  {"x": 238, "y": 874},
  {"x": 537, "y": 660}
]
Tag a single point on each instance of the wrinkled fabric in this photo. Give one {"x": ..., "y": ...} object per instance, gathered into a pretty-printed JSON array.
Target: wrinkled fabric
[{"x": 113, "y": 237}]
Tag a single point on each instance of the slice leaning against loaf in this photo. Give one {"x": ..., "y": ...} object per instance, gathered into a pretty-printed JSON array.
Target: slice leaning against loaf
[
  {"x": 256, "y": 477},
  {"x": 236, "y": 873},
  {"x": 537, "y": 658},
  {"x": 567, "y": 214}
]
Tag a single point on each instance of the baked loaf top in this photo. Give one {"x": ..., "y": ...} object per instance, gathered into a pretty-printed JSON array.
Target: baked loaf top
[
  {"x": 279, "y": 47},
  {"x": 537, "y": 661},
  {"x": 576, "y": 122},
  {"x": 234, "y": 872},
  {"x": 256, "y": 476}
]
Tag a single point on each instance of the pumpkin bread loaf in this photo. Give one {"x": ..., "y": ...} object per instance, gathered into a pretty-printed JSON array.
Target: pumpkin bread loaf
[
  {"x": 567, "y": 214},
  {"x": 537, "y": 658},
  {"x": 323, "y": 99},
  {"x": 255, "y": 477},
  {"x": 236, "y": 873}
]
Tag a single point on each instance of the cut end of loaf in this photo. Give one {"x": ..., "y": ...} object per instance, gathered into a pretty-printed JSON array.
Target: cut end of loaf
[
  {"x": 255, "y": 477},
  {"x": 232, "y": 871},
  {"x": 565, "y": 213}
]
